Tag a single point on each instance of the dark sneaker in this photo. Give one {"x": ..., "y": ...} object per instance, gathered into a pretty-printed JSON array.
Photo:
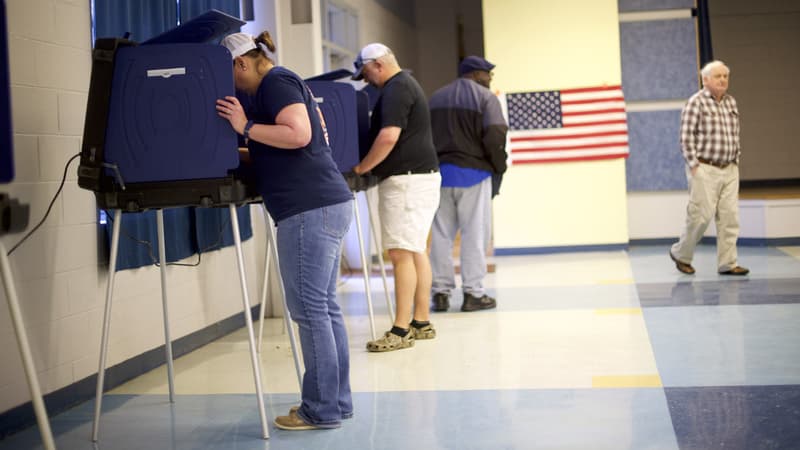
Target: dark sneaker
[
  {"x": 440, "y": 302},
  {"x": 738, "y": 270},
  {"x": 682, "y": 266},
  {"x": 472, "y": 303}
]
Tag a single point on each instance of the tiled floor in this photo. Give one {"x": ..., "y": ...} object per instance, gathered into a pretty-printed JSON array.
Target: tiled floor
[{"x": 612, "y": 350}]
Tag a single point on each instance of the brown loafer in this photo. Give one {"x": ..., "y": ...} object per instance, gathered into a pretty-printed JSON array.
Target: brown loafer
[
  {"x": 738, "y": 270},
  {"x": 682, "y": 266},
  {"x": 293, "y": 422}
]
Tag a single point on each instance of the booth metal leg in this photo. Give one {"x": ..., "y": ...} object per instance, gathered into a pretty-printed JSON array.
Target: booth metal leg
[
  {"x": 272, "y": 245},
  {"x": 264, "y": 287},
  {"x": 101, "y": 370},
  {"x": 25, "y": 351},
  {"x": 389, "y": 303},
  {"x": 162, "y": 256},
  {"x": 249, "y": 321},
  {"x": 272, "y": 241},
  {"x": 364, "y": 269}
]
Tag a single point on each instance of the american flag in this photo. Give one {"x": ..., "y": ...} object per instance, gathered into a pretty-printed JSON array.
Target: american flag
[{"x": 568, "y": 125}]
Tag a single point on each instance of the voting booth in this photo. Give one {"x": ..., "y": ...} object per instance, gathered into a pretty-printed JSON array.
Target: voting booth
[
  {"x": 153, "y": 140},
  {"x": 152, "y": 137}
]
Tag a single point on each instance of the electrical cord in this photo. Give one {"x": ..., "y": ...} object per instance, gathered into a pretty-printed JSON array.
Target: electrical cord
[
  {"x": 148, "y": 244},
  {"x": 50, "y": 207},
  {"x": 151, "y": 253}
]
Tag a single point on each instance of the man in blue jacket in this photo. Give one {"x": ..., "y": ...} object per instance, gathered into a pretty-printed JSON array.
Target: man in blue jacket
[{"x": 469, "y": 132}]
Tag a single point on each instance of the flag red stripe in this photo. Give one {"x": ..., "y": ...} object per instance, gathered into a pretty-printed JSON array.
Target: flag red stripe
[
  {"x": 567, "y": 147},
  {"x": 590, "y": 89},
  {"x": 592, "y": 100},
  {"x": 596, "y": 111},
  {"x": 569, "y": 136},
  {"x": 580, "y": 158}
]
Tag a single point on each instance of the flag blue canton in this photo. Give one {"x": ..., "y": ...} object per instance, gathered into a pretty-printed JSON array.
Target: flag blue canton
[{"x": 534, "y": 110}]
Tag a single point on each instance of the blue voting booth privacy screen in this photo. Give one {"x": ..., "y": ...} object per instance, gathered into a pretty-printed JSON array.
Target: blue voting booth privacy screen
[
  {"x": 6, "y": 143},
  {"x": 346, "y": 113},
  {"x": 337, "y": 101},
  {"x": 162, "y": 123}
]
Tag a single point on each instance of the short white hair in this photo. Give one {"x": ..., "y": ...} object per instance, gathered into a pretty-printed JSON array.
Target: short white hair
[
  {"x": 389, "y": 59},
  {"x": 708, "y": 68}
]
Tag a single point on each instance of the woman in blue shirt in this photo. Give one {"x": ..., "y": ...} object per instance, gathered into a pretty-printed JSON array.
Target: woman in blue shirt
[{"x": 311, "y": 204}]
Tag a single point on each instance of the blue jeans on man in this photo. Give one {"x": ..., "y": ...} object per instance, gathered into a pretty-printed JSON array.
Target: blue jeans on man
[{"x": 309, "y": 249}]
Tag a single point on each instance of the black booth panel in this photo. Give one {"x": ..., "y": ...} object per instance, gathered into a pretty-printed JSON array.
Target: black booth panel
[
  {"x": 162, "y": 123},
  {"x": 6, "y": 139}
]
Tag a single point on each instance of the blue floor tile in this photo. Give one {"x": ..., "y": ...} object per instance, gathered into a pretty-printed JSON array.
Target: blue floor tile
[
  {"x": 734, "y": 292},
  {"x": 736, "y": 417},
  {"x": 726, "y": 345}
]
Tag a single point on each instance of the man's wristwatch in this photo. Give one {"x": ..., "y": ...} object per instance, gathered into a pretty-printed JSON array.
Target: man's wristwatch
[{"x": 246, "y": 132}]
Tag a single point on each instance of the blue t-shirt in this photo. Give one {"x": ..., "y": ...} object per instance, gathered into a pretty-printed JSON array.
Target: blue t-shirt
[
  {"x": 292, "y": 181},
  {"x": 461, "y": 177}
]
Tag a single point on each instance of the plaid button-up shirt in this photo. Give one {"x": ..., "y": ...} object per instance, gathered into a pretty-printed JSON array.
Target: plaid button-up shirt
[{"x": 710, "y": 129}]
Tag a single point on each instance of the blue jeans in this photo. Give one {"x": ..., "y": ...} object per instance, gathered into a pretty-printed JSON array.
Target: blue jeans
[{"x": 309, "y": 248}]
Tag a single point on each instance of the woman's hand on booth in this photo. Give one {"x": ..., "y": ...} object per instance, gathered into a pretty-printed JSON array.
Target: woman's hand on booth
[{"x": 230, "y": 108}]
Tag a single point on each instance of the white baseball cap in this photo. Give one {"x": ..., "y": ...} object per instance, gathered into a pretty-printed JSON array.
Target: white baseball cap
[
  {"x": 239, "y": 43},
  {"x": 370, "y": 52}
]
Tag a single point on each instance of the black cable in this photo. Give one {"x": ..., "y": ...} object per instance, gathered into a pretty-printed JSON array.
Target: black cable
[
  {"x": 151, "y": 253},
  {"x": 47, "y": 213}
]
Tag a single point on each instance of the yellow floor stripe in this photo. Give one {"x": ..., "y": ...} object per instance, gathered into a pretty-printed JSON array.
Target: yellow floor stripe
[
  {"x": 626, "y": 381},
  {"x": 611, "y": 311}
]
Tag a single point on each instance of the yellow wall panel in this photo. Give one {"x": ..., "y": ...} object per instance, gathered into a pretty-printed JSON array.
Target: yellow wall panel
[{"x": 546, "y": 45}]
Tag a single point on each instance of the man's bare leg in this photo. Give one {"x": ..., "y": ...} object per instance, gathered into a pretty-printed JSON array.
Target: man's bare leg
[
  {"x": 405, "y": 284},
  {"x": 423, "y": 287}
]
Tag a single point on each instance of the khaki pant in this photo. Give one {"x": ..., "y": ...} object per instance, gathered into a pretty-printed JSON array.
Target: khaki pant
[{"x": 713, "y": 193}]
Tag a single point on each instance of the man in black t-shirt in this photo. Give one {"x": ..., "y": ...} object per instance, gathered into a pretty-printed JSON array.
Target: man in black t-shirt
[{"x": 402, "y": 155}]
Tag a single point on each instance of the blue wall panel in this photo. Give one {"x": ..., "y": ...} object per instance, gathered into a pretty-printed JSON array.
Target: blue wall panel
[
  {"x": 659, "y": 59},
  {"x": 655, "y": 162},
  {"x": 653, "y": 5}
]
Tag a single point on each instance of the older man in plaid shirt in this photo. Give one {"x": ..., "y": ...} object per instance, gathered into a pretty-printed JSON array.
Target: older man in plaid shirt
[{"x": 710, "y": 144}]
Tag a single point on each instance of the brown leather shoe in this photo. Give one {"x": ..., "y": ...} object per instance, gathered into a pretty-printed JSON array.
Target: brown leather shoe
[
  {"x": 738, "y": 270},
  {"x": 292, "y": 422},
  {"x": 682, "y": 266}
]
